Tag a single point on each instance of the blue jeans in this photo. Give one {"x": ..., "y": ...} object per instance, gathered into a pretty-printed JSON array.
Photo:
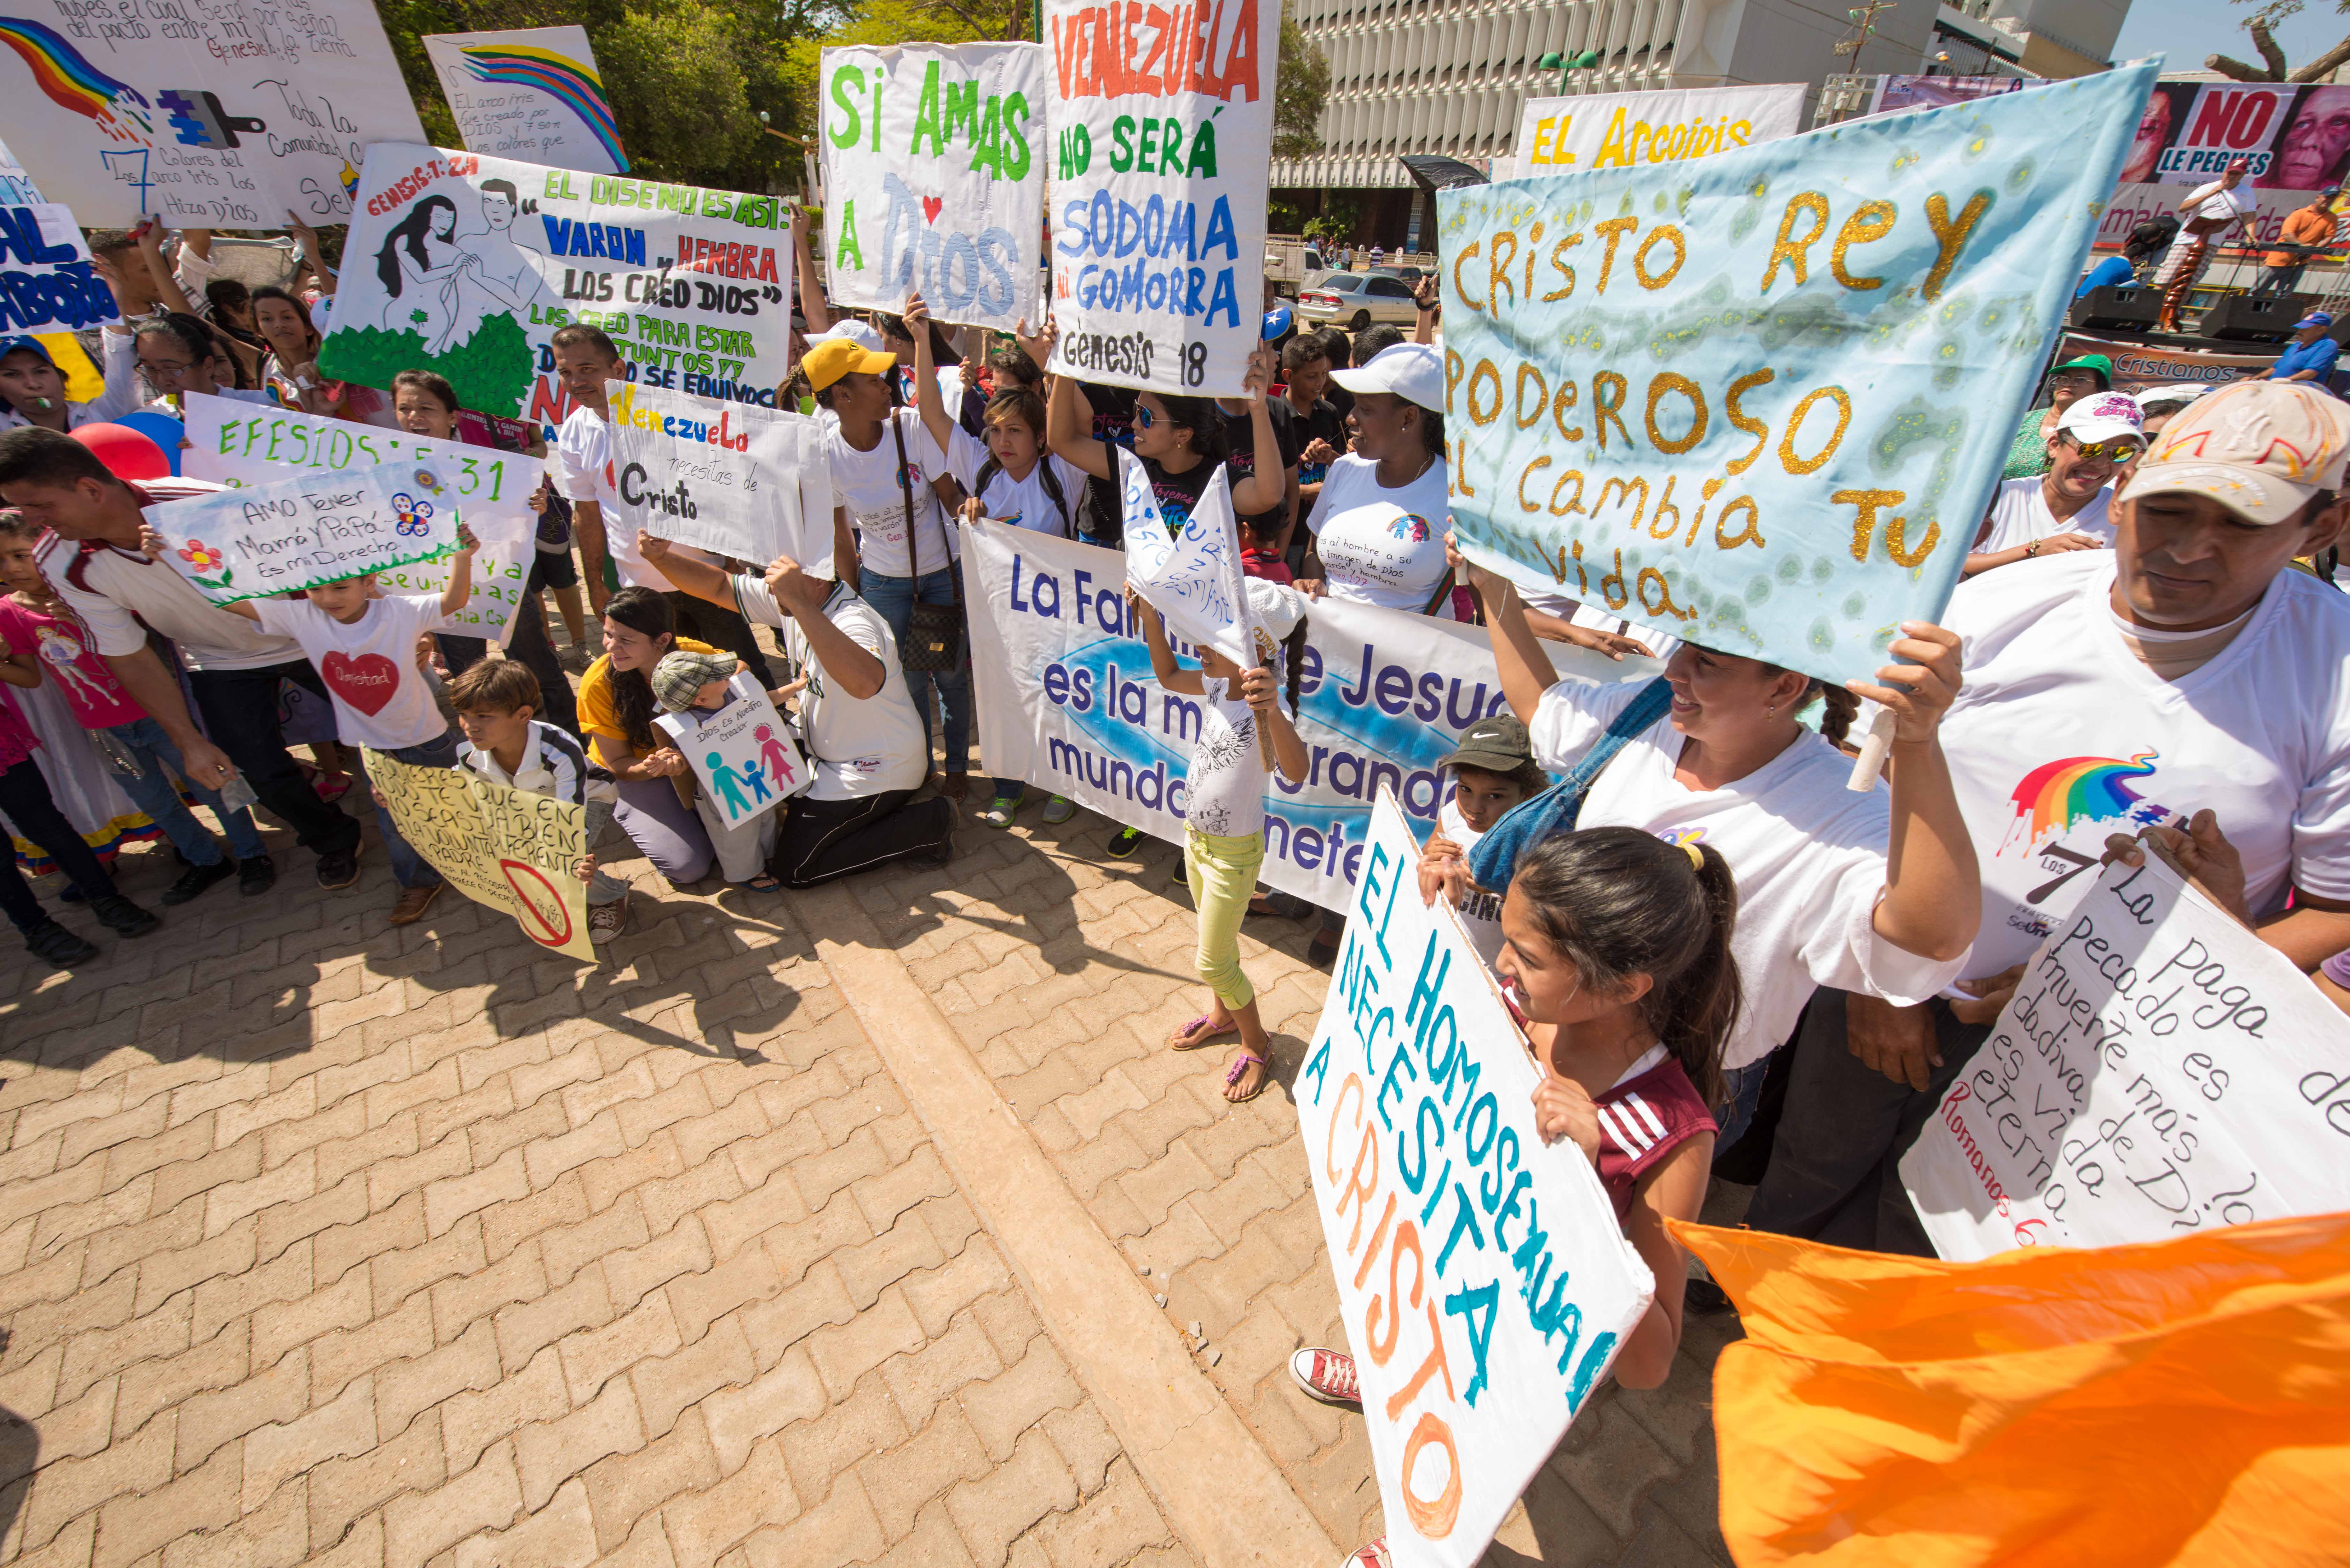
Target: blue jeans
[
  {"x": 153, "y": 793},
  {"x": 895, "y": 598},
  {"x": 1744, "y": 1092},
  {"x": 409, "y": 868}
]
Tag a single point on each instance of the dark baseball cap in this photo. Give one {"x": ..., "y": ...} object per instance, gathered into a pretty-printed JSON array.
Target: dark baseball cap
[{"x": 1498, "y": 745}]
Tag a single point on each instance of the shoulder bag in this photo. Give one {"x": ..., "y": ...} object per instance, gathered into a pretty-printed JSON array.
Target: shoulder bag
[{"x": 934, "y": 639}]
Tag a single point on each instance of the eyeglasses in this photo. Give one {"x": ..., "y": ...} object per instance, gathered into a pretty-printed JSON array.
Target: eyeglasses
[
  {"x": 1142, "y": 417},
  {"x": 2109, "y": 451}
]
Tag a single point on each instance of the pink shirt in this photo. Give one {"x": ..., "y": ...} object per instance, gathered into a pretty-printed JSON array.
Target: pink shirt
[{"x": 69, "y": 658}]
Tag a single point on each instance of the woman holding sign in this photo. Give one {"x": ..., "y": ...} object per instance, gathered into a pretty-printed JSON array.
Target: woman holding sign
[{"x": 617, "y": 708}]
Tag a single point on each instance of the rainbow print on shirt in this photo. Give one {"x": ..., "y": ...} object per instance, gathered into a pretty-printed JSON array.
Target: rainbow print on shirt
[
  {"x": 71, "y": 82},
  {"x": 576, "y": 86},
  {"x": 2053, "y": 796}
]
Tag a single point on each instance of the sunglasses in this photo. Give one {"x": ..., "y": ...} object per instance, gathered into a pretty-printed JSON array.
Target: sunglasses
[
  {"x": 2109, "y": 451},
  {"x": 1142, "y": 417}
]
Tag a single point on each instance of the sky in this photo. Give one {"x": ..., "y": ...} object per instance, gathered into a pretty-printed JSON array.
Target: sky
[{"x": 2188, "y": 30}]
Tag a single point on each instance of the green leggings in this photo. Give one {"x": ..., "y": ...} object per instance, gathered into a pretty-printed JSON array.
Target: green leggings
[{"x": 1222, "y": 874}]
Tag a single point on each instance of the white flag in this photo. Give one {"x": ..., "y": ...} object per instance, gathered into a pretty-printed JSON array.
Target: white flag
[{"x": 1193, "y": 575}]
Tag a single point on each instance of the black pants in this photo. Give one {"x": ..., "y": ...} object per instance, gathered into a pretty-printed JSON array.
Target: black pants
[
  {"x": 1835, "y": 1173},
  {"x": 822, "y": 839},
  {"x": 528, "y": 645},
  {"x": 240, "y": 712},
  {"x": 24, "y": 796},
  {"x": 719, "y": 628}
]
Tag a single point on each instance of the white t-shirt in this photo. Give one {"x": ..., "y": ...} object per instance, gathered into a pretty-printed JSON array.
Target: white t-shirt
[
  {"x": 1807, "y": 852},
  {"x": 858, "y": 746},
  {"x": 369, "y": 666},
  {"x": 2019, "y": 514},
  {"x": 1022, "y": 503},
  {"x": 2063, "y": 735},
  {"x": 583, "y": 453},
  {"x": 2215, "y": 201},
  {"x": 1371, "y": 556},
  {"x": 1223, "y": 791},
  {"x": 865, "y": 483}
]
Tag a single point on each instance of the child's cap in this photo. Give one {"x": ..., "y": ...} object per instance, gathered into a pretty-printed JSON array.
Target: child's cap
[
  {"x": 679, "y": 677},
  {"x": 1497, "y": 745},
  {"x": 1277, "y": 609}
]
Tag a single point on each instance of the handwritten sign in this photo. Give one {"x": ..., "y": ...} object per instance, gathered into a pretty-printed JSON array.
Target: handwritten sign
[
  {"x": 1193, "y": 578},
  {"x": 745, "y": 754},
  {"x": 1634, "y": 130},
  {"x": 934, "y": 164},
  {"x": 1482, "y": 1278},
  {"x": 241, "y": 445},
  {"x": 310, "y": 529},
  {"x": 210, "y": 116},
  {"x": 2159, "y": 1070},
  {"x": 16, "y": 187},
  {"x": 733, "y": 478},
  {"x": 467, "y": 266},
  {"x": 529, "y": 92},
  {"x": 502, "y": 846},
  {"x": 1158, "y": 177},
  {"x": 46, "y": 281},
  {"x": 1759, "y": 400}
]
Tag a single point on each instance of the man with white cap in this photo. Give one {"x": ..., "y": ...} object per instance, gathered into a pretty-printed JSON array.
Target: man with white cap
[
  {"x": 2064, "y": 508},
  {"x": 2193, "y": 683},
  {"x": 2311, "y": 355},
  {"x": 1363, "y": 550}
]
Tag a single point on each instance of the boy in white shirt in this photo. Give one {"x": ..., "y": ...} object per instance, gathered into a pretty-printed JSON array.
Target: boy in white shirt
[
  {"x": 694, "y": 688},
  {"x": 363, "y": 646}
]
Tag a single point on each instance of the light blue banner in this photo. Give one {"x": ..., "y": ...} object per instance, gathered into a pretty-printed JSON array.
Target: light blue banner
[{"x": 1760, "y": 400}]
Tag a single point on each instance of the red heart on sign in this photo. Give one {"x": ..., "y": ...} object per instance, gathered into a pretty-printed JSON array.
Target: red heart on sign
[
  {"x": 367, "y": 682},
  {"x": 931, "y": 208}
]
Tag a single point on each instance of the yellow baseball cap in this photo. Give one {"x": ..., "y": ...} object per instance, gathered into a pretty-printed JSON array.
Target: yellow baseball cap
[{"x": 828, "y": 361}]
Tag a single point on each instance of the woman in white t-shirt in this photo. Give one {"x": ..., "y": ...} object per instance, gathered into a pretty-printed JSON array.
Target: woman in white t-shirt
[
  {"x": 1838, "y": 888},
  {"x": 1378, "y": 524}
]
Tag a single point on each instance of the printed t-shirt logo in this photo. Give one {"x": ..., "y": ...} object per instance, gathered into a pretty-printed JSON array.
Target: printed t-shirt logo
[
  {"x": 2053, "y": 796},
  {"x": 1409, "y": 526}
]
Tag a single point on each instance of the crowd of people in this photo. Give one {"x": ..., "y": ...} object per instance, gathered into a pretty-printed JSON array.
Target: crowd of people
[{"x": 1722, "y": 956}]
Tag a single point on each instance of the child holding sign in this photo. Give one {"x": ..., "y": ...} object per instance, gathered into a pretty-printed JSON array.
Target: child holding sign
[
  {"x": 1224, "y": 814},
  {"x": 362, "y": 644},
  {"x": 692, "y": 689}
]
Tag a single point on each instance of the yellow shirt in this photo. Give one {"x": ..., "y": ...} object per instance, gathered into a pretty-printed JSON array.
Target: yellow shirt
[{"x": 598, "y": 713}]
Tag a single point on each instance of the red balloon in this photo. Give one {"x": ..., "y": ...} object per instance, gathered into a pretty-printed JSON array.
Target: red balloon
[{"x": 127, "y": 453}]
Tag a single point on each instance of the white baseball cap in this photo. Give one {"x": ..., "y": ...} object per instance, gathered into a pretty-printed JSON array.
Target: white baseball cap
[
  {"x": 2260, "y": 448},
  {"x": 849, "y": 329},
  {"x": 1412, "y": 371},
  {"x": 2102, "y": 416}
]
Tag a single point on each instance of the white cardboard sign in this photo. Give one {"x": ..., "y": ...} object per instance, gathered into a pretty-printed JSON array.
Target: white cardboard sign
[
  {"x": 746, "y": 756},
  {"x": 1193, "y": 578},
  {"x": 731, "y": 478},
  {"x": 531, "y": 93},
  {"x": 309, "y": 529}
]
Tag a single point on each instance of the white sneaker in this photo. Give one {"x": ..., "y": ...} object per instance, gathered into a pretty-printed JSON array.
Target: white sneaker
[{"x": 605, "y": 922}]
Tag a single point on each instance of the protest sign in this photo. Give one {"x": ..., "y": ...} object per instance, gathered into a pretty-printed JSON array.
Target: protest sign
[
  {"x": 1067, "y": 702},
  {"x": 16, "y": 187},
  {"x": 2161, "y": 1069},
  {"x": 1158, "y": 170},
  {"x": 1763, "y": 397},
  {"x": 467, "y": 266},
  {"x": 312, "y": 528},
  {"x": 529, "y": 92},
  {"x": 945, "y": 145},
  {"x": 46, "y": 282},
  {"x": 207, "y": 116},
  {"x": 731, "y": 478},
  {"x": 1895, "y": 94},
  {"x": 505, "y": 847},
  {"x": 1191, "y": 578},
  {"x": 1475, "y": 1357},
  {"x": 1626, "y": 130},
  {"x": 746, "y": 756}
]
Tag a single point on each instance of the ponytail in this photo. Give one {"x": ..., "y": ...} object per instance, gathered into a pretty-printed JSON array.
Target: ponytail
[{"x": 1615, "y": 902}]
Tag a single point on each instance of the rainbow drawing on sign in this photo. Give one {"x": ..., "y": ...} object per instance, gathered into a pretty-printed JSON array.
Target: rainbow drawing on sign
[
  {"x": 576, "y": 86},
  {"x": 71, "y": 82},
  {"x": 2054, "y": 795}
]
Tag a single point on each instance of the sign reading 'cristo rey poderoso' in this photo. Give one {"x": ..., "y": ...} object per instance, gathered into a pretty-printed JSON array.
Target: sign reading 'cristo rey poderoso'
[
  {"x": 1759, "y": 400},
  {"x": 1160, "y": 119},
  {"x": 468, "y": 265}
]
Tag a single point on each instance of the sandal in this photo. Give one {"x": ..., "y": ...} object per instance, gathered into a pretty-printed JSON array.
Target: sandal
[
  {"x": 1200, "y": 1032},
  {"x": 1239, "y": 1070},
  {"x": 331, "y": 787},
  {"x": 762, "y": 883}
]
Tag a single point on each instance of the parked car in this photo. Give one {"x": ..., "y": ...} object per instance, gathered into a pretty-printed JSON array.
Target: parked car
[{"x": 1354, "y": 300}]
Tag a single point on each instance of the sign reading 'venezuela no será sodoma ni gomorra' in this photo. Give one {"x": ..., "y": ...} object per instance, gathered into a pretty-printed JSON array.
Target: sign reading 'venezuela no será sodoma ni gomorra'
[{"x": 468, "y": 265}]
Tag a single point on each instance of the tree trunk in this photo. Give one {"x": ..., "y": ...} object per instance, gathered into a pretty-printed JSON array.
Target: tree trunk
[
  {"x": 2237, "y": 69},
  {"x": 2324, "y": 65},
  {"x": 2265, "y": 41}
]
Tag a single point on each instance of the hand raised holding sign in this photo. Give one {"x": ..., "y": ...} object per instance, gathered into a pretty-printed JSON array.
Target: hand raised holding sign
[
  {"x": 1920, "y": 692},
  {"x": 2199, "y": 852}
]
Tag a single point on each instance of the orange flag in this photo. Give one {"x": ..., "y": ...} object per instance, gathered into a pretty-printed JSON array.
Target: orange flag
[{"x": 2183, "y": 1402}]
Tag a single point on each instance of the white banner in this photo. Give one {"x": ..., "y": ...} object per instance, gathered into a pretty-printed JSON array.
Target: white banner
[
  {"x": 1619, "y": 130},
  {"x": 934, "y": 166},
  {"x": 309, "y": 529},
  {"x": 1067, "y": 702},
  {"x": 2159, "y": 1070},
  {"x": 243, "y": 445},
  {"x": 210, "y": 116},
  {"x": 16, "y": 187},
  {"x": 531, "y": 93},
  {"x": 735, "y": 479},
  {"x": 1483, "y": 1306},
  {"x": 1193, "y": 578},
  {"x": 744, "y": 754},
  {"x": 1159, "y": 133},
  {"x": 467, "y": 266},
  {"x": 46, "y": 284}
]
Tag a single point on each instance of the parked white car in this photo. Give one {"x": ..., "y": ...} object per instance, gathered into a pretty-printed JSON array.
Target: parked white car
[{"x": 1355, "y": 300}]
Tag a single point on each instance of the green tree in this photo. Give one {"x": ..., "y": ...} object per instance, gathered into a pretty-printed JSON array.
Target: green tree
[
  {"x": 1301, "y": 86},
  {"x": 2273, "y": 68}
]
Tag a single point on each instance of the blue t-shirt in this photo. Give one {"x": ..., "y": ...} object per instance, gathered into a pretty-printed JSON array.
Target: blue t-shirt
[
  {"x": 2318, "y": 356},
  {"x": 2110, "y": 273}
]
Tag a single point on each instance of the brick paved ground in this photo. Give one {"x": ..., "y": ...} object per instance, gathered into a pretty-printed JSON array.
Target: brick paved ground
[{"x": 323, "y": 1242}]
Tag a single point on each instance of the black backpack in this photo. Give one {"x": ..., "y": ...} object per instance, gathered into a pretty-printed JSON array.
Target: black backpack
[{"x": 991, "y": 468}]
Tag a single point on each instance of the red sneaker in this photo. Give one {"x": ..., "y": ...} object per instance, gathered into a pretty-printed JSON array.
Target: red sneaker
[
  {"x": 1374, "y": 1555},
  {"x": 1327, "y": 1376}
]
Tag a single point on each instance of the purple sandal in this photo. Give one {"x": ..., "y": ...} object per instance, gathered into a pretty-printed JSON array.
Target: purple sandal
[
  {"x": 1189, "y": 1038},
  {"x": 1239, "y": 1070}
]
